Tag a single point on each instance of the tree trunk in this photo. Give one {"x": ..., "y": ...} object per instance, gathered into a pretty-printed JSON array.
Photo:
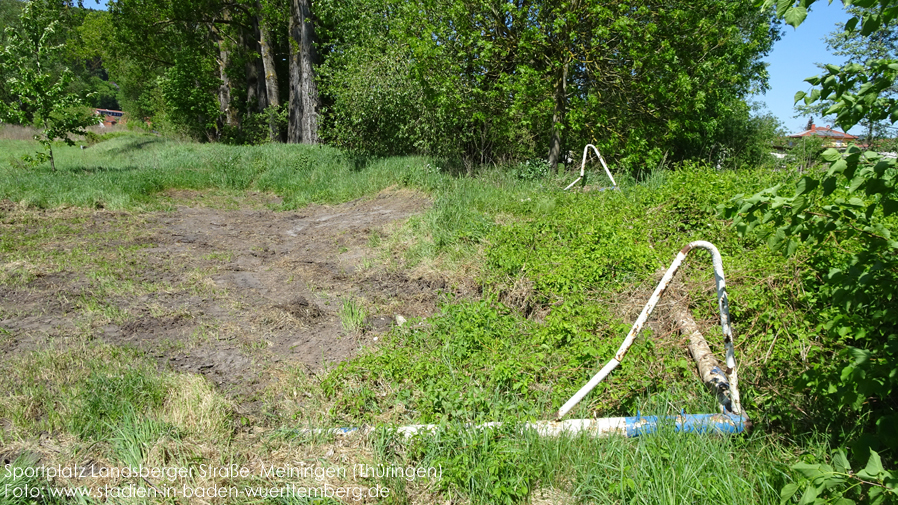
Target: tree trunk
[
  {"x": 271, "y": 80},
  {"x": 228, "y": 114},
  {"x": 256, "y": 96},
  {"x": 304, "y": 101},
  {"x": 295, "y": 119},
  {"x": 558, "y": 118},
  {"x": 310, "y": 101}
]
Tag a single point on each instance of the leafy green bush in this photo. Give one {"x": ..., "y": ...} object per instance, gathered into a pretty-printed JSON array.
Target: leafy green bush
[
  {"x": 837, "y": 483},
  {"x": 845, "y": 216},
  {"x": 531, "y": 170}
]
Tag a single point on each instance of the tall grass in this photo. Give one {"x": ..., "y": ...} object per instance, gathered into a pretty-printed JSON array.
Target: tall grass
[
  {"x": 509, "y": 465},
  {"x": 127, "y": 171},
  {"x": 17, "y": 132}
]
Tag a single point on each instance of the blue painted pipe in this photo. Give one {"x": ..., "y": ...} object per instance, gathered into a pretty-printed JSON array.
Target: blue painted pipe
[{"x": 688, "y": 423}]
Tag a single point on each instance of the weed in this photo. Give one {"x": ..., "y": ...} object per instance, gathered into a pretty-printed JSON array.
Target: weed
[
  {"x": 134, "y": 436},
  {"x": 352, "y": 315},
  {"x": 222, "y": 256},
  {"x": 108, "y": 400},
  {"x": 374, "y": 240}
]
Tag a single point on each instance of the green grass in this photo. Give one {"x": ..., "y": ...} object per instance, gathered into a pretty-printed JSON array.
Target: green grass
[
  {"x": 505, "y": 466},
  {"x": 128, "y": 171},
  {"x": 19, "y": 485},
  {"x": 352, "y": 315},
  {"x": 512, "y": 465},
  {"x": 561, "y": 276}
]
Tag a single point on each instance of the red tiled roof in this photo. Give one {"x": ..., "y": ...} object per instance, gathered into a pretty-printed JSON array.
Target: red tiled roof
[{"x": 821, "y": 131}]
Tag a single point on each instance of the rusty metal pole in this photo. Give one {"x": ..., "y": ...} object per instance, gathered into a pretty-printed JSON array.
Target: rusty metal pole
[{"x": 723, "y": 305}]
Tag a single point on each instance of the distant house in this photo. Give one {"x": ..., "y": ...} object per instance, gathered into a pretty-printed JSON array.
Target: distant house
[
  {"x": 111, "y": 117},
  {"x": 831, "y": 138}
]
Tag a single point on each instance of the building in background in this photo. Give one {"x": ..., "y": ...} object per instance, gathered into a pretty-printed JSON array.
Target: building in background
[
  {"x": 831, "y": 138},
  {"x": 111, "y": 117}
]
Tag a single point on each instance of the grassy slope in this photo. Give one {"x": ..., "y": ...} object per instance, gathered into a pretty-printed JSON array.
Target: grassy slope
[{"x": 578, "y": 265}]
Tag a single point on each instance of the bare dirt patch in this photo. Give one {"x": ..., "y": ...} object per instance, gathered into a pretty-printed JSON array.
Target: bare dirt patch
[{"x": 229, "y": 294}]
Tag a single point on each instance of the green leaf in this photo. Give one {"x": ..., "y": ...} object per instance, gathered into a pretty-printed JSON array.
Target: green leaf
[
  {"x": 809, "y": 496},
  {"x": 876, "y": 185},
  {"x": 889, "y": 206},
  {"x": 795, "y": 15},
  {"x": 829, "y": 185},
  {"x": 805, "y": 185},
  {"x": 870, "y": 24},
  {"x": 840, "y": 461},
  {"x": 808, "y": 471},
  {"x": 874, "y": 467},
  {"x": 799, "y": 204},
  {"x": 775, "y": 242},
  {"x": 782, "y": 6},
  {"x": 831, "y": 155},
  {"x": 838, "y": 167},
  {"x": 787, "y": 492},
  {"x": 856, "y": 183},
  {"x": 791, "y": 247}
]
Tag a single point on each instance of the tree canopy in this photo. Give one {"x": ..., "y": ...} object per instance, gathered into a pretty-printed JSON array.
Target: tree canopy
[
  {"x": 473, "y": 81},
  {"x": 493, "y": 80}
]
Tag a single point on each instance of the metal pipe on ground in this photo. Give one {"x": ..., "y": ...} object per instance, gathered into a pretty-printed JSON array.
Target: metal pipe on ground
[
  {"x": 727, "y": 423},
  {"x": 723, "y": 305},
  {"x": 731, "y": 420}
]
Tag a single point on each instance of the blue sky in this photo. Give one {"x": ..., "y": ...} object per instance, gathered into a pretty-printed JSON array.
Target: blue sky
[{"x": 793, "y": 60}]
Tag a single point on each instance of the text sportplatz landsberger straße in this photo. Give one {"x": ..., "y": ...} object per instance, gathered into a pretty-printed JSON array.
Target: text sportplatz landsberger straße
[{"x": 170, "y": 473}]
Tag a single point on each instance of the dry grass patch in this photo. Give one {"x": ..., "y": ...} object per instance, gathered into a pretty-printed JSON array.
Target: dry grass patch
[{"x": 196, "y": 409}]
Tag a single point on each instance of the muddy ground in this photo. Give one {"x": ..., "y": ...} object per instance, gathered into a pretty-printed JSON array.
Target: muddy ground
[{"x": 229, "y": 294}]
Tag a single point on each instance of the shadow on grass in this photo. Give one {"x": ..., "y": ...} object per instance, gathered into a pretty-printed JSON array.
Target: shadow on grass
[
  {"x": 87, "y": 170},
  {"x": 134, "y": 145},
  {"x": 81, "y": 170}
]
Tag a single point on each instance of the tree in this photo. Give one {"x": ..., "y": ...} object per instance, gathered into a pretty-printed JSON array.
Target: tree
[
  {"x": 235, "y": 52},
  {"x": 880, "y": 44},
  {"x": 305, "y": 103},
  {"x": 10, "y": 10},
  {"x": 43, "y": 98},
  {"x": 268, "y": 65},
  {"x": 845, "y": 216},
  {"x": 9, "y": 17},
  {"x": 510, "y": 80}
]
